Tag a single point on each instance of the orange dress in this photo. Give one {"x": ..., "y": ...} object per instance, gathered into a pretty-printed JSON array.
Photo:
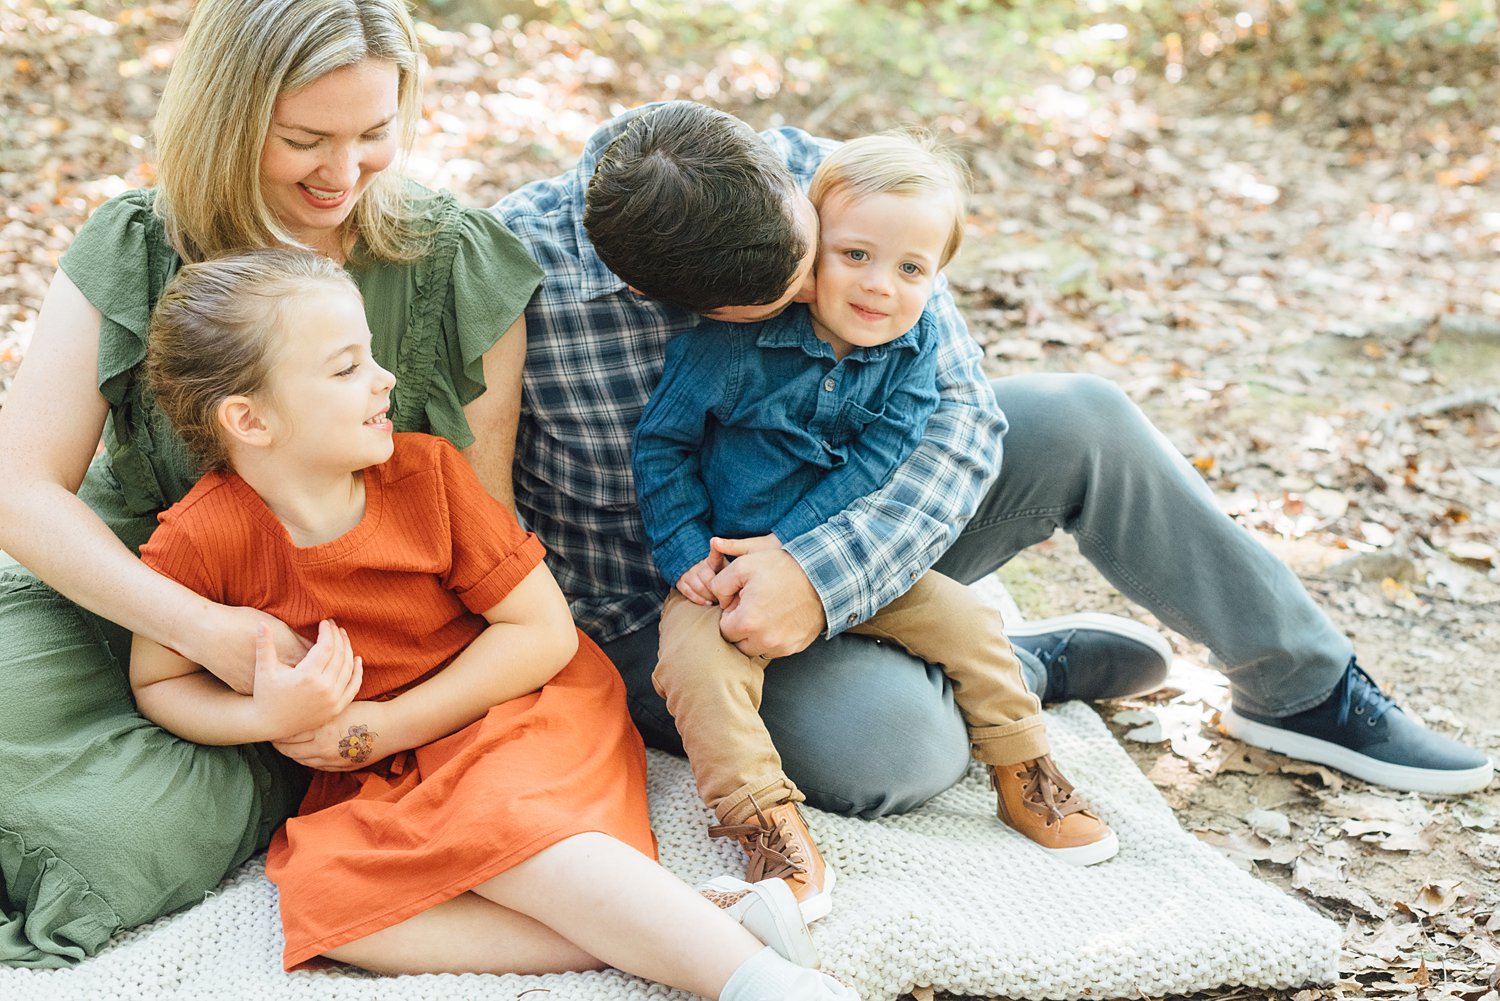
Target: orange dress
[{"x": 371, "y": 848}]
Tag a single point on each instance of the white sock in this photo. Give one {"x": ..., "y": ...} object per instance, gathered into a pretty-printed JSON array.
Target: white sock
[{"x": 766, "y": 976}]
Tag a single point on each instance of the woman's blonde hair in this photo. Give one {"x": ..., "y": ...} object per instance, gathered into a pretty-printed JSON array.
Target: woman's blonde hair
[
  {"x": 900, "y": 162},
  {"x": 238, "y": 58},
  {"x": 215, "y": 331}
]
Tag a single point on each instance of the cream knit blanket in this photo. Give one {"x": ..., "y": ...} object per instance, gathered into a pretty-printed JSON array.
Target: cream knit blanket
[{"x": 943, "y": 896}]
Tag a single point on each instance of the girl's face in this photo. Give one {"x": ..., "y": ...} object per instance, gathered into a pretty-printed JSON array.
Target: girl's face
[
  {"x": 326, "y": 398},
  {"x": 326, "y": 143},
  {"x": 878, "y": 258}
]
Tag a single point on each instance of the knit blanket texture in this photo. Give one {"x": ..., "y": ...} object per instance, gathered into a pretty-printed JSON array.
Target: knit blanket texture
[{"x": 943, "y": 897}]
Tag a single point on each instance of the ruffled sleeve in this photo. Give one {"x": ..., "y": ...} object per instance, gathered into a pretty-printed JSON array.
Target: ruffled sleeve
[
  {"x": 120, "y": 261},
  {"x": 493, "y": 278}
]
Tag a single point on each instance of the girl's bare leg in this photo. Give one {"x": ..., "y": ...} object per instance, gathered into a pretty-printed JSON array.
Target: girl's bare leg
[
  {"x": 615, "y": 903},
  {"x": 585, "y": 903},
  {"x": 467, "y": 934}
]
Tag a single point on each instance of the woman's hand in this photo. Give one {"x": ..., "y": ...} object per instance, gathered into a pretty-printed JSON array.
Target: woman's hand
[
  {"x": 357, "y": 737},
  {"x": 292, "y": 698},
  {"x": 227, "y": 643}
]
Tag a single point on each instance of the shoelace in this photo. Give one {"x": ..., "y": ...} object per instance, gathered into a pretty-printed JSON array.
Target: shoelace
[
  {"x": 1056, "y": 653},
  {"x": 773, "y": 853},
  {"x": 1358, "y": 691},
  {"x": 1045, "y": 790}
]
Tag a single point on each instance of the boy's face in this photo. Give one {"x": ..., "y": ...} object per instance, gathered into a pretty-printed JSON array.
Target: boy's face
[
  {"x": 801, "y": 288},
  {"x": 878, "y": 258}
]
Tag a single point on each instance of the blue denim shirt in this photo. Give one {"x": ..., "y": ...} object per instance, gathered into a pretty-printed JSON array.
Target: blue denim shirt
[
  {"x": 594, "y": 352},
  {"x": 757, "y": 429}
]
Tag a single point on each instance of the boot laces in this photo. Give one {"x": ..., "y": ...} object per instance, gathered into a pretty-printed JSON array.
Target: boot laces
[
  {"x": 1358, "y": 692},
  {"x": 774, "y": 848},
  {"x": 1044, "y": 791}
]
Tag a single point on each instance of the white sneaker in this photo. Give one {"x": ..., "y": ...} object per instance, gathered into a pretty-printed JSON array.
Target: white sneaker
[
  {"x": 767, "y": 977},
  {"x": 768, "y": 910}
]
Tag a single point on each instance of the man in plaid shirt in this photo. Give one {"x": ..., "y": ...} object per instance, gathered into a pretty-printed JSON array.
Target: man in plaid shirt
[{"x": 677, "y": 211}]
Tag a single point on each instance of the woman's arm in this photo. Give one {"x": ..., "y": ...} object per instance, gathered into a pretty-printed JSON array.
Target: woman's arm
[
  {"x": 530, "y": 638},
  {"x": 49, "y": 431},
  {"x": 495, "y": 415},
  {"x": 177, "y": 695}
]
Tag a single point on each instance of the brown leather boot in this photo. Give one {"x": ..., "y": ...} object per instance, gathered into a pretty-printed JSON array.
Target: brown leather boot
[
  {"x": 1035, "y": 799},
  {"x": 780, "y": 846}
]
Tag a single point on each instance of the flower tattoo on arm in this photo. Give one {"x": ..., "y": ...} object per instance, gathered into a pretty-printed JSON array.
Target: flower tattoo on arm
[{"x": 357, "y": 746}]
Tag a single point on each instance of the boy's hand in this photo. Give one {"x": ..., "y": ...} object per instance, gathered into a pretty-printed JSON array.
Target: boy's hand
[
  {"x": 696, "y": 583},
  {"x": 357, "y": 737},
  {"x": 293, "y": 698}
]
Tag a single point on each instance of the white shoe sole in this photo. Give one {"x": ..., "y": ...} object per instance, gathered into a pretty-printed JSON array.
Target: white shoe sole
[
  {"x": 773, "y": 917},
  {"x": 821, "y": 905},
  {"x": 1104, "y": 848},
  {"x": 1100, "y": 622},
  {"x": 1323, "y": 752}
]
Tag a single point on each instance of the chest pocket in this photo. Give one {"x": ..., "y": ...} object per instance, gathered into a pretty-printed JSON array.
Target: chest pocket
[{"x": 846, "y": 427}]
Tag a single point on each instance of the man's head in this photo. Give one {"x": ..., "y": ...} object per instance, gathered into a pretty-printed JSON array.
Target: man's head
[{"x": 691, "y": 207}]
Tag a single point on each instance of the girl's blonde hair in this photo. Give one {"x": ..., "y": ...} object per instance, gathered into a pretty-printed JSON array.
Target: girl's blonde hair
[
  {"x": 214, "y": 335},
  {"x": 900, "y": 162},
  {"x": 238, "y": 57}
]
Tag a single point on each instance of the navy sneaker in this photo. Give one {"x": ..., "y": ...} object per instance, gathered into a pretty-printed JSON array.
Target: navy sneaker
[
  {"x": 1090, "y": 655},
  {"x": 1360, "y": 730}
]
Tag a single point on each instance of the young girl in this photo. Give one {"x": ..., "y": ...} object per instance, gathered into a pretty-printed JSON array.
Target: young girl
[{"x": 479, "y": 803}]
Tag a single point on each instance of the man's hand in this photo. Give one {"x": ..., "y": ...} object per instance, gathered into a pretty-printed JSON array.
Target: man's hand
[{"x": 770, "y": 608}]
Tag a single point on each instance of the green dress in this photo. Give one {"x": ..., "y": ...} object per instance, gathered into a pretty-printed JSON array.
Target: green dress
[{"x": 106, "y": 820}]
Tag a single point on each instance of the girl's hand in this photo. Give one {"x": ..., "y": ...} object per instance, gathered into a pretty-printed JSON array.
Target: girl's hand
[
  {"x": 290, "y": 698},
  {"x": 696, "y": 583},
  {"x": 355, "y": 738},
  {"x": 233, "y": 630}
]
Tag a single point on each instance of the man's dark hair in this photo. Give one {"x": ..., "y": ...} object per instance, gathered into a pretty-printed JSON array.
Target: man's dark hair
[{"x": 691, "y": 207}]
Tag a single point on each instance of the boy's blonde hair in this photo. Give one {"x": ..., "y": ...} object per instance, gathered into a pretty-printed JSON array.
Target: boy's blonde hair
[
  {"x": 237, "y": 59},
  {"x": 214, "y": 335},
  {"x": 901, "y": 162}
]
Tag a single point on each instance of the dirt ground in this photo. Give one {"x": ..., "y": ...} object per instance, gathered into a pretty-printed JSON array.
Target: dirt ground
[{"x": 1306, "y": 299}]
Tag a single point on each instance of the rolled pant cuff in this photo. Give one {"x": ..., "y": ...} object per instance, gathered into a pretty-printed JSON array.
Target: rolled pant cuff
[
  {"x": 740, "y": 805},
  {"x": 1010, "y": 743}
]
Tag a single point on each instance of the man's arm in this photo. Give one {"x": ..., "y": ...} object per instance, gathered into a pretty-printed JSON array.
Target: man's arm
[{"x": 846, "y": 569}]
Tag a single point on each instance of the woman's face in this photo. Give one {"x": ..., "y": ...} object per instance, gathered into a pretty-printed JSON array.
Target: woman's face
[{"x": 326, "y": 143}]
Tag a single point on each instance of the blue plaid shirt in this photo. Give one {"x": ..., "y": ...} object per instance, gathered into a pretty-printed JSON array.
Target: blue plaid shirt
[{"x": 594, "y": 353}]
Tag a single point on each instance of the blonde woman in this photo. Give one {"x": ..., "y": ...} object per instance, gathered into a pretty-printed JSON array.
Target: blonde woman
[{"x": 277, "y": 127}]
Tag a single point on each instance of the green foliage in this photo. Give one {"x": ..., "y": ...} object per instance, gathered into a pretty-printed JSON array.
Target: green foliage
[{"x": 946, "y": 56}]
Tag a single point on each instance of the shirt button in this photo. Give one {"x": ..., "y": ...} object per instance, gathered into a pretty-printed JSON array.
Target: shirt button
[
  {"x": 853, "y": 618},
  {"x": 912, "y": 575},
  {"x": 829, "y": 385}
]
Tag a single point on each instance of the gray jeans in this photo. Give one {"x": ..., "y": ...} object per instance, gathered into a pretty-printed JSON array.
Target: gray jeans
[{"x": 865, "y": 729}]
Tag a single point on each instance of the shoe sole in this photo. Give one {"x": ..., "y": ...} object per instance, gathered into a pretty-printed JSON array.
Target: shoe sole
[
  {"x": 819, "y": 905},
  {"x": 790, "y": 940},
  {"x": 1090, "y": 854},
  {"x": 1099, "y": 622},
  {"x": 1402, "y": 777}
]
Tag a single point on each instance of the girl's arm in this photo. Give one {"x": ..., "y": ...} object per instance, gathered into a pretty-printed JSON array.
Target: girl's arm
[
  {"x": 49, "y": 431},
  {"x": 181, "y": 697},
  {"x": 530, "y": 638}
]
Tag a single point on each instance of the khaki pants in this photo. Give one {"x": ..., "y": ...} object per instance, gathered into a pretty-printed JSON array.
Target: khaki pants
[{"x": 713, "y": 691}]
